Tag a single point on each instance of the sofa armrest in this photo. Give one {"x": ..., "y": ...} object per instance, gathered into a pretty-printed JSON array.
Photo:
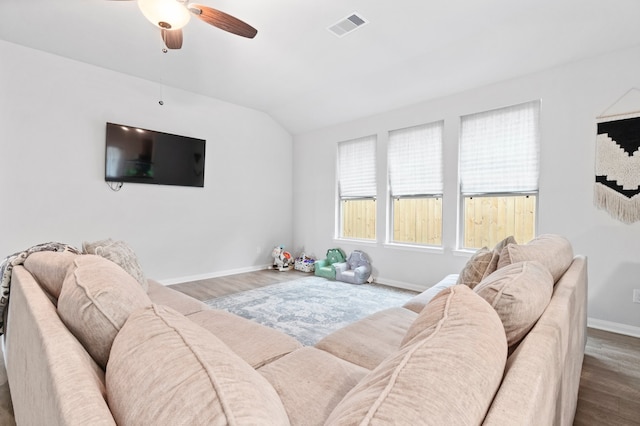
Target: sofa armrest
[
  {"x": 363, "y": 269},
  {"x": 362, "y": 272},
  {"x": 47, "y": 365},
  {"x": 321, "y": 263},
  {"x": 340, "y": 267}
]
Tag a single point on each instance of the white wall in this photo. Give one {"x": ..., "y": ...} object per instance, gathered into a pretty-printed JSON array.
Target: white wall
[
  {"x": 572, "y": 96},
  {"x": 52, "y": 136},
  {"x": 52, "y": 117}
]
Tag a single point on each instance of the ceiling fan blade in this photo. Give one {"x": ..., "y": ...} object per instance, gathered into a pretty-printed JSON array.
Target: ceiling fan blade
[
  {"x": 223, "y": 21},
  {"x": 172, "y": 38}
]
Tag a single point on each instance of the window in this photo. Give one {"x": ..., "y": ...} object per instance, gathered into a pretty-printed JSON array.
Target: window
[
  {"x": 357, "y": 188},
  {"x": 415, "y": 184},
  {"x": 499, "y": 168}
]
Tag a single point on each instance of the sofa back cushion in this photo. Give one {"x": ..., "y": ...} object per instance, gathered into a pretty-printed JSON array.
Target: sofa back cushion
[
  {"x": 96, "y": 299},
  {"x": 50, "y": 268},
  {"x": 552, "y": 251},
  {"x": 166, "y": 370},
  {"x": 447, "y": 371},
  {"x": 519, "y": 293}
]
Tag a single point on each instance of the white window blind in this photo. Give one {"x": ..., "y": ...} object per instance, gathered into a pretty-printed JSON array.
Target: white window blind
[
  {"x": 415, "y": 160},
  {"x": 499, "y": 150},
  {"x": 357, "y": 168}
]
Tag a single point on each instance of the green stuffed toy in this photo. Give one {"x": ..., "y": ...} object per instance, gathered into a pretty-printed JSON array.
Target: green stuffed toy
[{"x": 324, "y": 267}]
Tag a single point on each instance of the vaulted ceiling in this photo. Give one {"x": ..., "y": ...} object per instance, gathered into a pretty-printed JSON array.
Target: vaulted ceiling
[{"x": 304, "y": 76}]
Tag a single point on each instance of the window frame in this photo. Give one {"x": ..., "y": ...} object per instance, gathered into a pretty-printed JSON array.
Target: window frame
[
  {"x": 462, "y": 229},
  {"x": 340, "y": 226},
  {"x": 391, "y": 238}
]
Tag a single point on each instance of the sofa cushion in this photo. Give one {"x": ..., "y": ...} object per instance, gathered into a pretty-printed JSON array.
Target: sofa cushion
[
  {"x": 552, "y": 251},
  {"x": 121, "y": 254},
  {"x": 49, "y": 268},
  {"x": 96, "y": 299},
  {"x": 369, "y": 341},
  {"x": 166, "y": 370},
  {"x": 480, "y": 265},
  {"x": 311, "y": 382},
  {"x": 519, "y": 293},
  {"x": 255, "y": 343},
  {"x": 446, "y": 375},
  {"x": 418, "y": 302},
  {"x": 181, "y": 302}
]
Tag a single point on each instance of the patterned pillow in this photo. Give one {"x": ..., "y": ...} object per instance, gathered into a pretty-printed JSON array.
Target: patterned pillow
[
  {"x": 502, "y": 244},
  {"x": 481, "y": 264},
  {"x": 120, "y": 253}
]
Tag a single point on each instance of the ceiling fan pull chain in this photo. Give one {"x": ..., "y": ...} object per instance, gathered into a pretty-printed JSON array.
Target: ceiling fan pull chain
[{"x": 162, "y": 70}]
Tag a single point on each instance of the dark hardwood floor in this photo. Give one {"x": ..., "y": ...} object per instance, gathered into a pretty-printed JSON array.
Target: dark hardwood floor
[
  {"x": 609, "y": 387},
  {"x": 221, "y": 286},
  {"x": 610, "y": 383}
]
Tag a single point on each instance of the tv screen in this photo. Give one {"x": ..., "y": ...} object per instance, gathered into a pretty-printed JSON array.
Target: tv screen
[{"x": 146, "y": 156}]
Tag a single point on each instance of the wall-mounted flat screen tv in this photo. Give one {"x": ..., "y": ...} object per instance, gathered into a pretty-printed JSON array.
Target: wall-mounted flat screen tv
[{"x": 146, "y": 156}]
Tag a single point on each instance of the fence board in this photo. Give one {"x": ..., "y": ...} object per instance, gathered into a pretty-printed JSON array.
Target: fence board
[{"x": 487, "y": 220}]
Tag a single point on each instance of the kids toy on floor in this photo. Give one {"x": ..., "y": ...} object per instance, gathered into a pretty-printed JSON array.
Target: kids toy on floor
[
  {"x": 304, "y": 263},
  {"x": 282, "y": 260}
]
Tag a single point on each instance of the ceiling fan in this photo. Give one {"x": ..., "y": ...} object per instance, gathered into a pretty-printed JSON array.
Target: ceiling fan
[{"x": 171, "y": 15}]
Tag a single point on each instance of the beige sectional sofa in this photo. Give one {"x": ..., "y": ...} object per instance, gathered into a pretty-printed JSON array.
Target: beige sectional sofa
[{"x": 500, "y": 344}]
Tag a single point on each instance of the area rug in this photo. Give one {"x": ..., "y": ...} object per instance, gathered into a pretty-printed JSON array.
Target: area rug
[{"x": 310, "y": 308}]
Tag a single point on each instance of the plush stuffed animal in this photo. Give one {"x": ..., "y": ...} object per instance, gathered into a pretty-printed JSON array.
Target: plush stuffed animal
[{"x": 281, "y": 259}]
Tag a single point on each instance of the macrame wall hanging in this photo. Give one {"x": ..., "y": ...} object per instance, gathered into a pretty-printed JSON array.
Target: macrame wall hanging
[{"x": 617, "y": 183}]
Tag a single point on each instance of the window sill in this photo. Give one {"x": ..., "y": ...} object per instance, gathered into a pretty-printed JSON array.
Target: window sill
[
  {"x": 412, "y": 247},
  {"x": 355, "y": 241},
  {"x": 464, "y": 252}
]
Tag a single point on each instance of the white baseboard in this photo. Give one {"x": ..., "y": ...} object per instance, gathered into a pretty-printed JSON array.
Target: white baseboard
[
  {"x": 399, "y": 284},
  {"x": 178, "y": 280},
  {"x": 614, "y": 327}
]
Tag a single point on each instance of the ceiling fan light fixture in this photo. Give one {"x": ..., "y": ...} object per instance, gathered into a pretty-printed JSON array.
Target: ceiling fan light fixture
[{"x": 166, "y": 14}]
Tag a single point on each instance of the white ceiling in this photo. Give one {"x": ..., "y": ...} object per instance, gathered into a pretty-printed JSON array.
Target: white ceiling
[{"x": 304, "y": 76}]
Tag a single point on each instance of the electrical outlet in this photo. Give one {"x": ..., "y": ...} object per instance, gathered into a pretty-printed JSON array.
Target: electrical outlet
[{"x": 636, "y": 295}]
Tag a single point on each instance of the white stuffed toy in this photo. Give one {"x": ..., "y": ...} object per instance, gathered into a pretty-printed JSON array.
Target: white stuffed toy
[{"x": 281, "y": 259}]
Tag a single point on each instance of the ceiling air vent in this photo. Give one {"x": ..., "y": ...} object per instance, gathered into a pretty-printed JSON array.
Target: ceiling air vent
[{"x": 347, "y": 25}]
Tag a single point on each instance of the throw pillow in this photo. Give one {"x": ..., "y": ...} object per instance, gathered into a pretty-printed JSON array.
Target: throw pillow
[
  {"x": 96, "y": 299},
  {"x": 552, "y": 251},
  {"x": 481, "y": 264},
  {"x": 502, "y": 244},
  {"x": 91, "y": 247},
  {"x": 50, "y": 268},
  {"x": 447, "y": 374},
  {"x": 186, "y": 375},
  {"x": 519, "y": 293},
  {"x": 121, "y": 254}
]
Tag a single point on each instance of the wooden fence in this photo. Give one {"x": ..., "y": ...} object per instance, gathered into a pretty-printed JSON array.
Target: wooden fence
[
  {"x": 359, "y": 219},
  {"x": 487, "y": 220},
  {"x": 417, "y": 221}
]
